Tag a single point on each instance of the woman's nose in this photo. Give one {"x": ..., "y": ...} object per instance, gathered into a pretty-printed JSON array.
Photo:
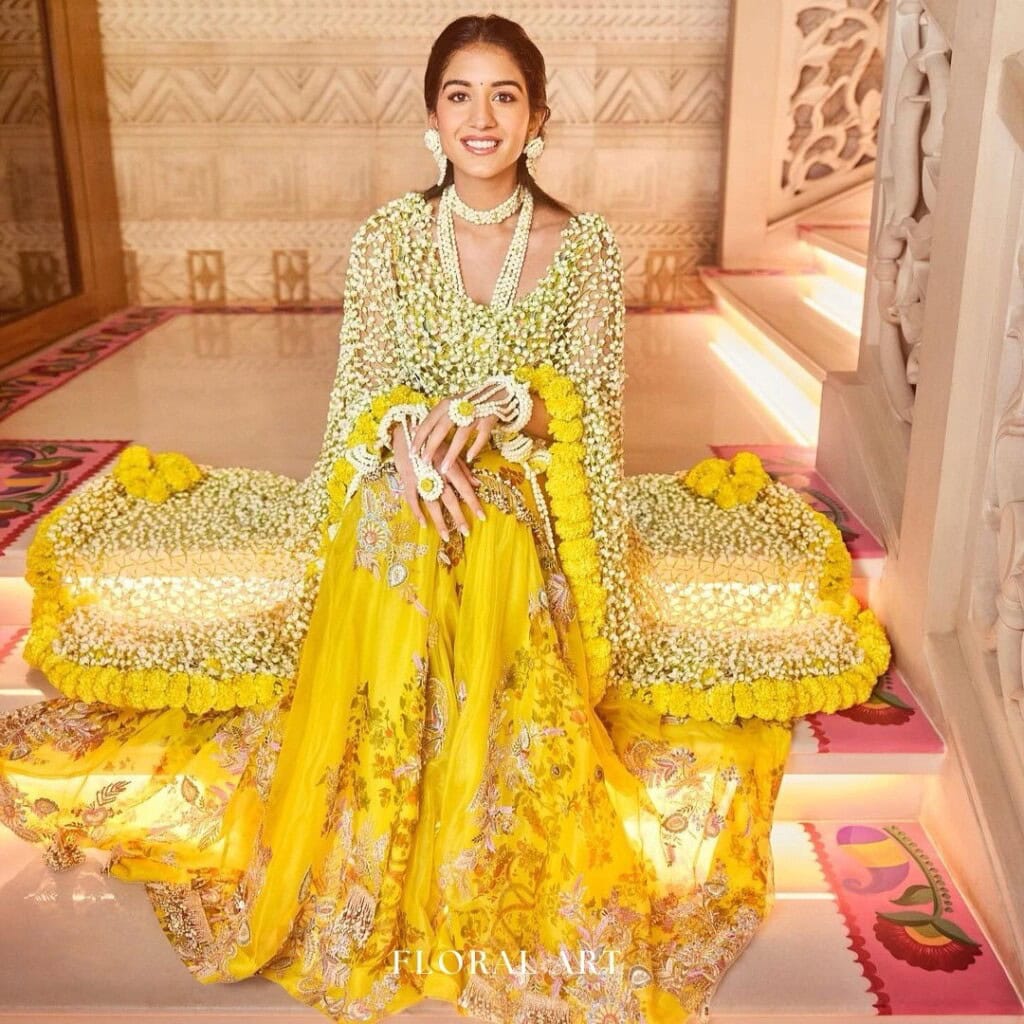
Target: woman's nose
[{"x": 483, "y": 116}]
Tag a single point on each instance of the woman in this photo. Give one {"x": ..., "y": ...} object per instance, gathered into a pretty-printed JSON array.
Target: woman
[{"x": 521, "y": 761}]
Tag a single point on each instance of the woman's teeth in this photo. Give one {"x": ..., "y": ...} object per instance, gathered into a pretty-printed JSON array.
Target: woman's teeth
[{"x": 480, "y": 147}]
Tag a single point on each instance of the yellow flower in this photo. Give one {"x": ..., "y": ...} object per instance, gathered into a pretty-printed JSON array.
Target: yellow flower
[
  {"x": 564, "y": 408},
  {"x": 746, "y": 462},
  {"x": 568, "y": 491},
  {"x": 725, "y": 495},
  {"x": 154, "y": 477},
  {"x": 566, "y": 430},
  {"x": 157, "y": 490},
  {"x": 179, "y": 473},
  {"x": 135, "y": 456},
  {"x": 729, "y": 483},
  {"x": 380, "y": 405},
  {"x": 560, "y": 386}
]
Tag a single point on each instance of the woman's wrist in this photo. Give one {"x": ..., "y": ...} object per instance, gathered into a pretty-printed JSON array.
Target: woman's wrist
[{"x": 540, "y": 419}]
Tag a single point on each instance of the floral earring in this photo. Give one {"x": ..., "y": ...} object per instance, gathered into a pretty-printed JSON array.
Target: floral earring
[
  {"x": 432, "y": 140},
  {"x": 533, "y": 150}
]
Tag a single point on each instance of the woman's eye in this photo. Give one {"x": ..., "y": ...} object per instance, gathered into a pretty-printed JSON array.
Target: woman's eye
[{"x": 507, "y": 95}]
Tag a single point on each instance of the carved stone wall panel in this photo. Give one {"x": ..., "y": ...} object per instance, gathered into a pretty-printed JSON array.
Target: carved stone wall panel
[
  {"x": 242, "y": 93},
  {"x": 207, "y": 283},
  {"x": 255, "y": 128},
  {"x": 291, "y": 276},
  {"x": 162, "y": 182},
  {"x": 835, "y": 52},
  {"x": 261, "y": 183},
  {"x": 19, "y": 22},
  {"x": 132, "y": 21},
  {"x": 159, "y": 277}
]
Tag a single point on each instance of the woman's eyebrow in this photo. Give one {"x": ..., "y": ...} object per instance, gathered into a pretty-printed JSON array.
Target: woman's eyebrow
[{"x": 461, "y": 81}]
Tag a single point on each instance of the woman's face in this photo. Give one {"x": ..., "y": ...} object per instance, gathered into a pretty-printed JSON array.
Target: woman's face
[{"x": 483, "y": 96}]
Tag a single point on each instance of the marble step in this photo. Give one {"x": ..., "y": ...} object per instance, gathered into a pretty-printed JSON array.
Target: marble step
[
  {"x": 83, "y": 939},
  {"x": 849, "y": 241},
  {"x": 809, "y": 318}
]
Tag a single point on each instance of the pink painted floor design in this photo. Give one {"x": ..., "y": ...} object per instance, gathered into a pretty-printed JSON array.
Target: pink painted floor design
[
  {"x": 916, "y": 942},
  {"x": 41, "y": 372},
  {"x": 793, "y": 465},
  {"x": 890, "y": 722},
  {"x": 37, "y": 475}
]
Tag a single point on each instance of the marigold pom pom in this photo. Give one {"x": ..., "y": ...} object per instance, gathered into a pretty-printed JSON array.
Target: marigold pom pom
[
  {"x": 154, "y": 477},
  {"x": 728, "y": 482},
  {"x": 135, "y": 456}
]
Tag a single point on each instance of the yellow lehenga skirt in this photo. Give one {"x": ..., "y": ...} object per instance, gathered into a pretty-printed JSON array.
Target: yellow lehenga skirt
[{"x": 434, "y": 809}]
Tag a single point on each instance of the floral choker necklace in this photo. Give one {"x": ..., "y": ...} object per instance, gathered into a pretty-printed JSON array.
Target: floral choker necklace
[{"x": 495, "y": 215}]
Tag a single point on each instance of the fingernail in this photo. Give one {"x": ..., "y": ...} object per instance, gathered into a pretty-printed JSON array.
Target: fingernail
[
  {"x": 464, "y": 530},
  {"x": 481, "y": 514},
  {"x": 444, "y": 466},
  {"x": 445, "y": 535}
]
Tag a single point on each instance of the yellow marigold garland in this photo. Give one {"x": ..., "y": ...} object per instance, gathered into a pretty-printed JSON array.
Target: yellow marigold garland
[
  {"x": 144, "y": 688},
  {"x": 780, "y": 699},
  {"x": 572, "y": 512},
  {"x": 836, "y": 572},
  {"x": 154, "y": 477},
  {"x": 364, "y": 431},
  {"x": 728, "y": 482}
]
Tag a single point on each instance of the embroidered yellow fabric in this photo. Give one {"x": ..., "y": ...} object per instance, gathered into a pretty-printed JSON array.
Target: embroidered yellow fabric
[
  {"x": 724, "y": 594},
  {"x": 435, "y": 805}
]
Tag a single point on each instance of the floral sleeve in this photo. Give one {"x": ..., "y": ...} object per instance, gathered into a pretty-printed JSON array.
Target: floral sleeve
[
  {"x": 595, "y": 328},
  {"x": 370, "y": 375}
]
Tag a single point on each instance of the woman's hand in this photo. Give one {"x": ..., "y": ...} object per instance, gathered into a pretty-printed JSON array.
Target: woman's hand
[
  {"x": 458, "y": 481},
  {"x": 430, "y": 434}
]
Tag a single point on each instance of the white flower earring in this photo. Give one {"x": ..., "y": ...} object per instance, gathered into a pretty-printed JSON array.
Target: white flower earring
[
  {"x": 533, "y": 150},
  {"x": 432, "y": 140}
]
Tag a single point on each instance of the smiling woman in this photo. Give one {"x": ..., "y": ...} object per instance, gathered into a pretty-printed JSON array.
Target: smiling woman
[{"x": 356, "y": 745}]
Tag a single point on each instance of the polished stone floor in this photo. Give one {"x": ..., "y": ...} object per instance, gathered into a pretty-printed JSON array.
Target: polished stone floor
[{"x": 252, "y": 389}]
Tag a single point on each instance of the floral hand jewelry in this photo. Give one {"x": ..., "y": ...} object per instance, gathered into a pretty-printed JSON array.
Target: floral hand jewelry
[
  {"x": 429, "y": 483},
  {"x": 513, "y": 409},
  {"x": 371, "y": 434}
]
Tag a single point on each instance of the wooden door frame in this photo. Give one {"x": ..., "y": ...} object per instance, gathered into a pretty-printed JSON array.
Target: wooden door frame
[{"x": 83, "y": 144}]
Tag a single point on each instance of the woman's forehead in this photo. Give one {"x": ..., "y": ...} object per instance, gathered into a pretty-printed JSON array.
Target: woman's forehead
[{"x": 483, "y": 64}]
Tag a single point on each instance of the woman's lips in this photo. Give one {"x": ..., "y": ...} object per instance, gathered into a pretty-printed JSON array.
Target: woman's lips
[{"x": 480, "y": 152}]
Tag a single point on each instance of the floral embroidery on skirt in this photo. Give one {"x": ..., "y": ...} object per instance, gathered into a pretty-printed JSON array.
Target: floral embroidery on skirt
[{"x": 433, "y": 809}]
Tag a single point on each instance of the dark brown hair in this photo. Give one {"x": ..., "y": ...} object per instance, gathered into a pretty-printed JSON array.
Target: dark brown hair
[{"x": 510, "y": 36}]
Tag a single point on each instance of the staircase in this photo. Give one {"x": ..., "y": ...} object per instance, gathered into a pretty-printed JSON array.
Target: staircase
[{"x": 849, "y": 845}]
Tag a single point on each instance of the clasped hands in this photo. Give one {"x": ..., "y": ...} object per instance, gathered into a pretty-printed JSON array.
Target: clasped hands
[{"x": 430, "y": 440}]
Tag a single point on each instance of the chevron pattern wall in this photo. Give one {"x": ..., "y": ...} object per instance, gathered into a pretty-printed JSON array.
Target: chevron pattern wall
[{"x": 251, "y": 137}]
